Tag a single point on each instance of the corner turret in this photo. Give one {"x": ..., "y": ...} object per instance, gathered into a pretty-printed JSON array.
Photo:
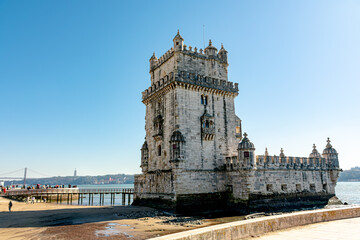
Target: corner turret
[
  {"x": 246, "y": 152},
  {"x": 223, "y": 54},
  {"x": 178, "y": 42},
  {"x": 153, "y": 61},
  {"x": 314, "y": 153},
  {"x": 210, "y": 50},
  {"x": 331, "y": 155}
]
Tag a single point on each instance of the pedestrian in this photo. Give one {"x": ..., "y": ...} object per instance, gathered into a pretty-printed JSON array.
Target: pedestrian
[
  {"x": 10, "y": 206},
  {"x": 33, "y": 200}
]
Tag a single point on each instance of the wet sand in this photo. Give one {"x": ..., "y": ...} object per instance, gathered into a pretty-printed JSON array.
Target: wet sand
[{"x": 55, "y": 221}]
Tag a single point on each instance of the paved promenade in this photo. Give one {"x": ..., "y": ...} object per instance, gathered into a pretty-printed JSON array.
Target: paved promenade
[{"x": 347, "y": 229}]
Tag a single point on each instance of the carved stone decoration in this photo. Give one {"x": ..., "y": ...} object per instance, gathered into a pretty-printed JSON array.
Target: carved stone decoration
[
  {"x": 207, "y": 127},
  {"x": 144, "y": 156},
  {"x": 158, "y": 127},
  {"x": 177, "y": 142}
]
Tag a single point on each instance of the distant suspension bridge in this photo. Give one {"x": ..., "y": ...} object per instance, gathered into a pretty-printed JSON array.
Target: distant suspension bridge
[{"x": 14, "y": 175}]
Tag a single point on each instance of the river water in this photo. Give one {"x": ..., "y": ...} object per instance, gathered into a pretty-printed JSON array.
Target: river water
[{"x": 346, "y": 191}]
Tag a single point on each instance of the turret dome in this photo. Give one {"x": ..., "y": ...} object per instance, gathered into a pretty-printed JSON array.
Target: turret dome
[
  {"x": 145, "y": 145},
  {"x": 245, "y": 144},
  {"x": 222, "y": 49},
  {"x": 329, "y": 149},
  {"x": 178, "y": 36},
  {"x": 153, "y": 57},
  {"x": 210, "y": 50},
  {"x": 314, "y": 153}
]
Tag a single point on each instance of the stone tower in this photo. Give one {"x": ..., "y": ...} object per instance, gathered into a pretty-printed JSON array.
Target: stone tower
[{"x": 191, "y": 126}]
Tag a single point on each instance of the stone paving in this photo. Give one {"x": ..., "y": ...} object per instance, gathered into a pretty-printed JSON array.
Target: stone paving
[{"x": 348, "y": 229}]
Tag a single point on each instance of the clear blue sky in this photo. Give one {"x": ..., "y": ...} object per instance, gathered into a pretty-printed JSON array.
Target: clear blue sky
[{"x": 72, "y": 73}]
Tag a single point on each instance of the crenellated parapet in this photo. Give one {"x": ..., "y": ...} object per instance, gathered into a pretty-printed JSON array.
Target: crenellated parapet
[
  {"x": 192, "y": 79},
  {"x": 248, "y": 160},
  {"x": 221, "y": 57},
  {"x": 288, "y": 162},
  {"x": 156, "y": 62},
  {"x": 209, "y": 53},
  {"x": 277, "y": 162}
]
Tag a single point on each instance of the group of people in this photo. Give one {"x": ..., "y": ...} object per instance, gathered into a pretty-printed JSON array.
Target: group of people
[
  {"x": 3, "y": 189},
  {"x": 28, "y": 200}
]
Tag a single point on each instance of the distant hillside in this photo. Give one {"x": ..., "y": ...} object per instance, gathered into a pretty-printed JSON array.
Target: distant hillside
[
  {"x": 352, "y": 175},
  {"x": 106, "y": 179}
]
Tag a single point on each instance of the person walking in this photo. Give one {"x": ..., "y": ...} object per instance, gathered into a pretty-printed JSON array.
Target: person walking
[{"x": 10, "y": 206}]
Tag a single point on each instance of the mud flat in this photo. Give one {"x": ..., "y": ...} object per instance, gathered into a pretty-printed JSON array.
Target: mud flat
[{"x": 57, "y": 221}]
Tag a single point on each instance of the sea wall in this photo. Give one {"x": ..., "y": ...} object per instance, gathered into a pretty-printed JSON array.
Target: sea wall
[{"x": 255, "y": 227}]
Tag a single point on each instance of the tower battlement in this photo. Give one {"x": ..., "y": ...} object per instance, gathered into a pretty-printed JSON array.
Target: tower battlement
[
  {"x": 195, "y": 80},
  {"x": 208, "y": 62},
  {"x": 193, "y": 52}
]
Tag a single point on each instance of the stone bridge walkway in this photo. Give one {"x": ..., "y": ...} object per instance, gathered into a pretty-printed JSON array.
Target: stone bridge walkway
[{"x": 346, "y": 229}]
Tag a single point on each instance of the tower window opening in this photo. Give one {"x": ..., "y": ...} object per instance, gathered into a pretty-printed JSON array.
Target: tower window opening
[
  {"x": 246, "y": 154},
  {"x": 207, "y": 124},
  {"x": 176, "y": 151},
  {"x": 204, "y": 100},
  {"x": 159, "y": 150},
  {"x": 269, "y": 187},
  {"x": 177, "y": 43}
]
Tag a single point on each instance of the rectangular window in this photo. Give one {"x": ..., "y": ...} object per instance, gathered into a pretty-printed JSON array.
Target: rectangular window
[
  {"x": 269, "y": 187},
  {"x": 312, "y": 188},
  {"x": 298, "y": 187},
  {"x": 204, "y": 100},
  {"x": 284, "y": 187},
  {"x": 246, "y": 154},
  {"x": 159, "y": 150}
]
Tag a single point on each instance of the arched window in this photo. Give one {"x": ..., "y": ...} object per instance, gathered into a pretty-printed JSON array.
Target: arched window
[{"x": 176, "y": 144}]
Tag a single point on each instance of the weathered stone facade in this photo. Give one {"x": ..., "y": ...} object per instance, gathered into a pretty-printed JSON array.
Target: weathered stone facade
[{"x": 194, "y": 156}]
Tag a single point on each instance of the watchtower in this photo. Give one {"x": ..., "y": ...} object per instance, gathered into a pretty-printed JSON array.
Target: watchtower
[{"x": 191, "y": 126}]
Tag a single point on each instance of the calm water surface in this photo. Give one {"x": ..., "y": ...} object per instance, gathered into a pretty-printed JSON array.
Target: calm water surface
[
  {"x": 348, "y": 192},
  {"x": 107, "y": 201},
  {"x": 99, "y": 186}
]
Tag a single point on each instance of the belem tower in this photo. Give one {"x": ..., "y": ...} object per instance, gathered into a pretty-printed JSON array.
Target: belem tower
[{"x": 195, "y": 157}]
